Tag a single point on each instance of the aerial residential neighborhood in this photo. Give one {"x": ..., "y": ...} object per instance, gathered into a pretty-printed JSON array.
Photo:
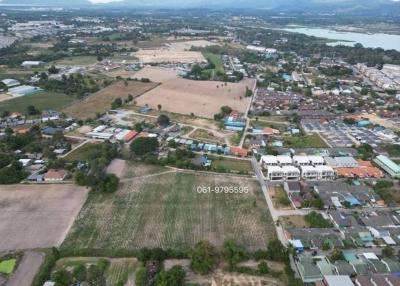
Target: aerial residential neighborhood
[{"x": 200, "y": 143}]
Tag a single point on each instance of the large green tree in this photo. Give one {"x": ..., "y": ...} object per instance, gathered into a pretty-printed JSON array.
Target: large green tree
[
  {"x": 203, "y": 257},
  {"x": 142, "y": 146}
]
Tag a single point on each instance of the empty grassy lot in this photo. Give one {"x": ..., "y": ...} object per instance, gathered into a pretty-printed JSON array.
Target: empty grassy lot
[
  {"x": 216, "y": 60},
  {"x": 41, "y": 100},
  {"x": 82, "y": 153},
  {"x": 101, "y": 101},
  {"x": 305, "y": 141},
  {"x": 231, "y": 164},
  {"x": 167, "y": 211}
]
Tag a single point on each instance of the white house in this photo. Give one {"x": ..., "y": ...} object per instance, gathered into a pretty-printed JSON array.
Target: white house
[
  {"x": 9, "y": 82},
  {"x": 309, "y": 172},
  {"x": 269, "y": 160}
]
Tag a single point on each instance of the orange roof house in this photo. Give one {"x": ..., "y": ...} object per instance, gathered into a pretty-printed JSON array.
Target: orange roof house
[
  {"x": 129, "y": 136},
  {"x": 55, "y": 175},
  {"x": 365, "y": 169},
  {"x": 237, "y": 151},
  {"x": 22, "y": 130},
  {"x": 270, "y": 131}
]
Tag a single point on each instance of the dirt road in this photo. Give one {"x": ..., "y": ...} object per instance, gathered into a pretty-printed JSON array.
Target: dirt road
[{"x": 27, "y": 269}]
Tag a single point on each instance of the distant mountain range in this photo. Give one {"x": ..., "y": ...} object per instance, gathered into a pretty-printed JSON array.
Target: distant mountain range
[{"x": 287, "y": 5}]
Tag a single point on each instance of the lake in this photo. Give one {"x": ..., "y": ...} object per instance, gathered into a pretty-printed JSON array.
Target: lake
[{"x": 376, "y": 40}]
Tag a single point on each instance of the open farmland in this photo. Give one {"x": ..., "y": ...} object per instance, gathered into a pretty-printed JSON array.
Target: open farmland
[
  {"x": 167, "y": 211},
  {"x": 168, "y": 56},
  {"x": 202, "y": 98},
  {"x": 41, "y": 100},
  {"x": 37, "y": 216},
  {"x": 101, "y": 101},
  {"x": 187, "y": 45}
]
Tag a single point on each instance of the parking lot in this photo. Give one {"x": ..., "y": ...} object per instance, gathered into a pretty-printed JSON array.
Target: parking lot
[{"x": 338, "y": 134}]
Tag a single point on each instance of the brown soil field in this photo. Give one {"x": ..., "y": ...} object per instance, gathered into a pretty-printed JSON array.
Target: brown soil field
[
  {"x": 186, "y": 46},
  {"x": 117, "y": 167},
  {"x": 202, "y": 98},
  {"x": 101, "y": 101},
  {"x": 38, "y": 216},
  {"x": 157, "y": 74},
  {"x": 168, "y": 56},
  {"x": 5, "y": 96}
]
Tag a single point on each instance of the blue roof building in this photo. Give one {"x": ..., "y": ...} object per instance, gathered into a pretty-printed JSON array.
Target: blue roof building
[
  {"x": 363, "y": 123},
  {"x": 52, "y": 130},
  {"x": 352, "y": 201}
]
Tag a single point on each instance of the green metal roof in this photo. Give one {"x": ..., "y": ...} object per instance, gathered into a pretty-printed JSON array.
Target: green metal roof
[
  {"x": 348, "y": 256},
  {"x": 389, "y": 163}
]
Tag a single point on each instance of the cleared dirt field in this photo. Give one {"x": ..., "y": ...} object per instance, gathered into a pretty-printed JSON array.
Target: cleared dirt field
[
  {"x": 202, "y": 98},
  {"x": 157, "y": 74},
  {"x": 117, "y": 167},
  {"x": 101, "y": 101},
  {"x": 37, "y": 216},
  {"x": 186, "y": 46},
  {"x": 5, "y": 96},
  {"x": 168, "y": 56},
  {"x": 167, "y": 211}
]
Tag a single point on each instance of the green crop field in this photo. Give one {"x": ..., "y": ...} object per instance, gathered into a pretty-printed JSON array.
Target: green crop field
[
  {"x": 7, "y": 266},
  {"x": 41, "y": 100},
  {"x": 167, "y": 211}
]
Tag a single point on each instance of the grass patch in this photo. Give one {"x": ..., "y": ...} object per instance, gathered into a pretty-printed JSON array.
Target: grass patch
[
  {"x": 204, "y": 135},
  {"x": 263, "y": 124},
  {"x": 280, "y": 198},
  {"x": 82, "y": 153},
  {"x": 167, "y": 211},
  {"x": 7, "y": 266},
  {"x": 305, "y": 141},
  {"x": 216, "y": 60},
  {"x": 316, "y": 220},
  {"x": 293, "y": 221},
  {"x": 41, "y": 100},
  {"x": 231, "y": 164},
  {"x": 392, "y": 149}
]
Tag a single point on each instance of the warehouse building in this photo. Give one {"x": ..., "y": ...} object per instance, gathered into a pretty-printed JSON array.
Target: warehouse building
[{"x": 388, "y": 165}]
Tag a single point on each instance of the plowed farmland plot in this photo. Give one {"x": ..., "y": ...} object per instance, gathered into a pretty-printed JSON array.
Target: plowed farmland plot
[
  {"x": 167, "y": 211},
  {"x": 100, "y": 101}
]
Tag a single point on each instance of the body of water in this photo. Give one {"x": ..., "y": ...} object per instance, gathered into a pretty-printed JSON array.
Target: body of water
[{"x": 376, "y": 40}]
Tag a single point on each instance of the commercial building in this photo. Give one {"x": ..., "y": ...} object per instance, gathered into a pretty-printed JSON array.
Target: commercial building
[
  {"x": 388, "y": 165},
  {"x": 32, "y": 64},
  {"x": 24, "y": 90},
  {"x": 337, "y": 280}
]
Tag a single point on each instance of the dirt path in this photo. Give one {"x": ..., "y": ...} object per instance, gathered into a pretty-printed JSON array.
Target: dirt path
[{"x": 27, "y": 269}]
